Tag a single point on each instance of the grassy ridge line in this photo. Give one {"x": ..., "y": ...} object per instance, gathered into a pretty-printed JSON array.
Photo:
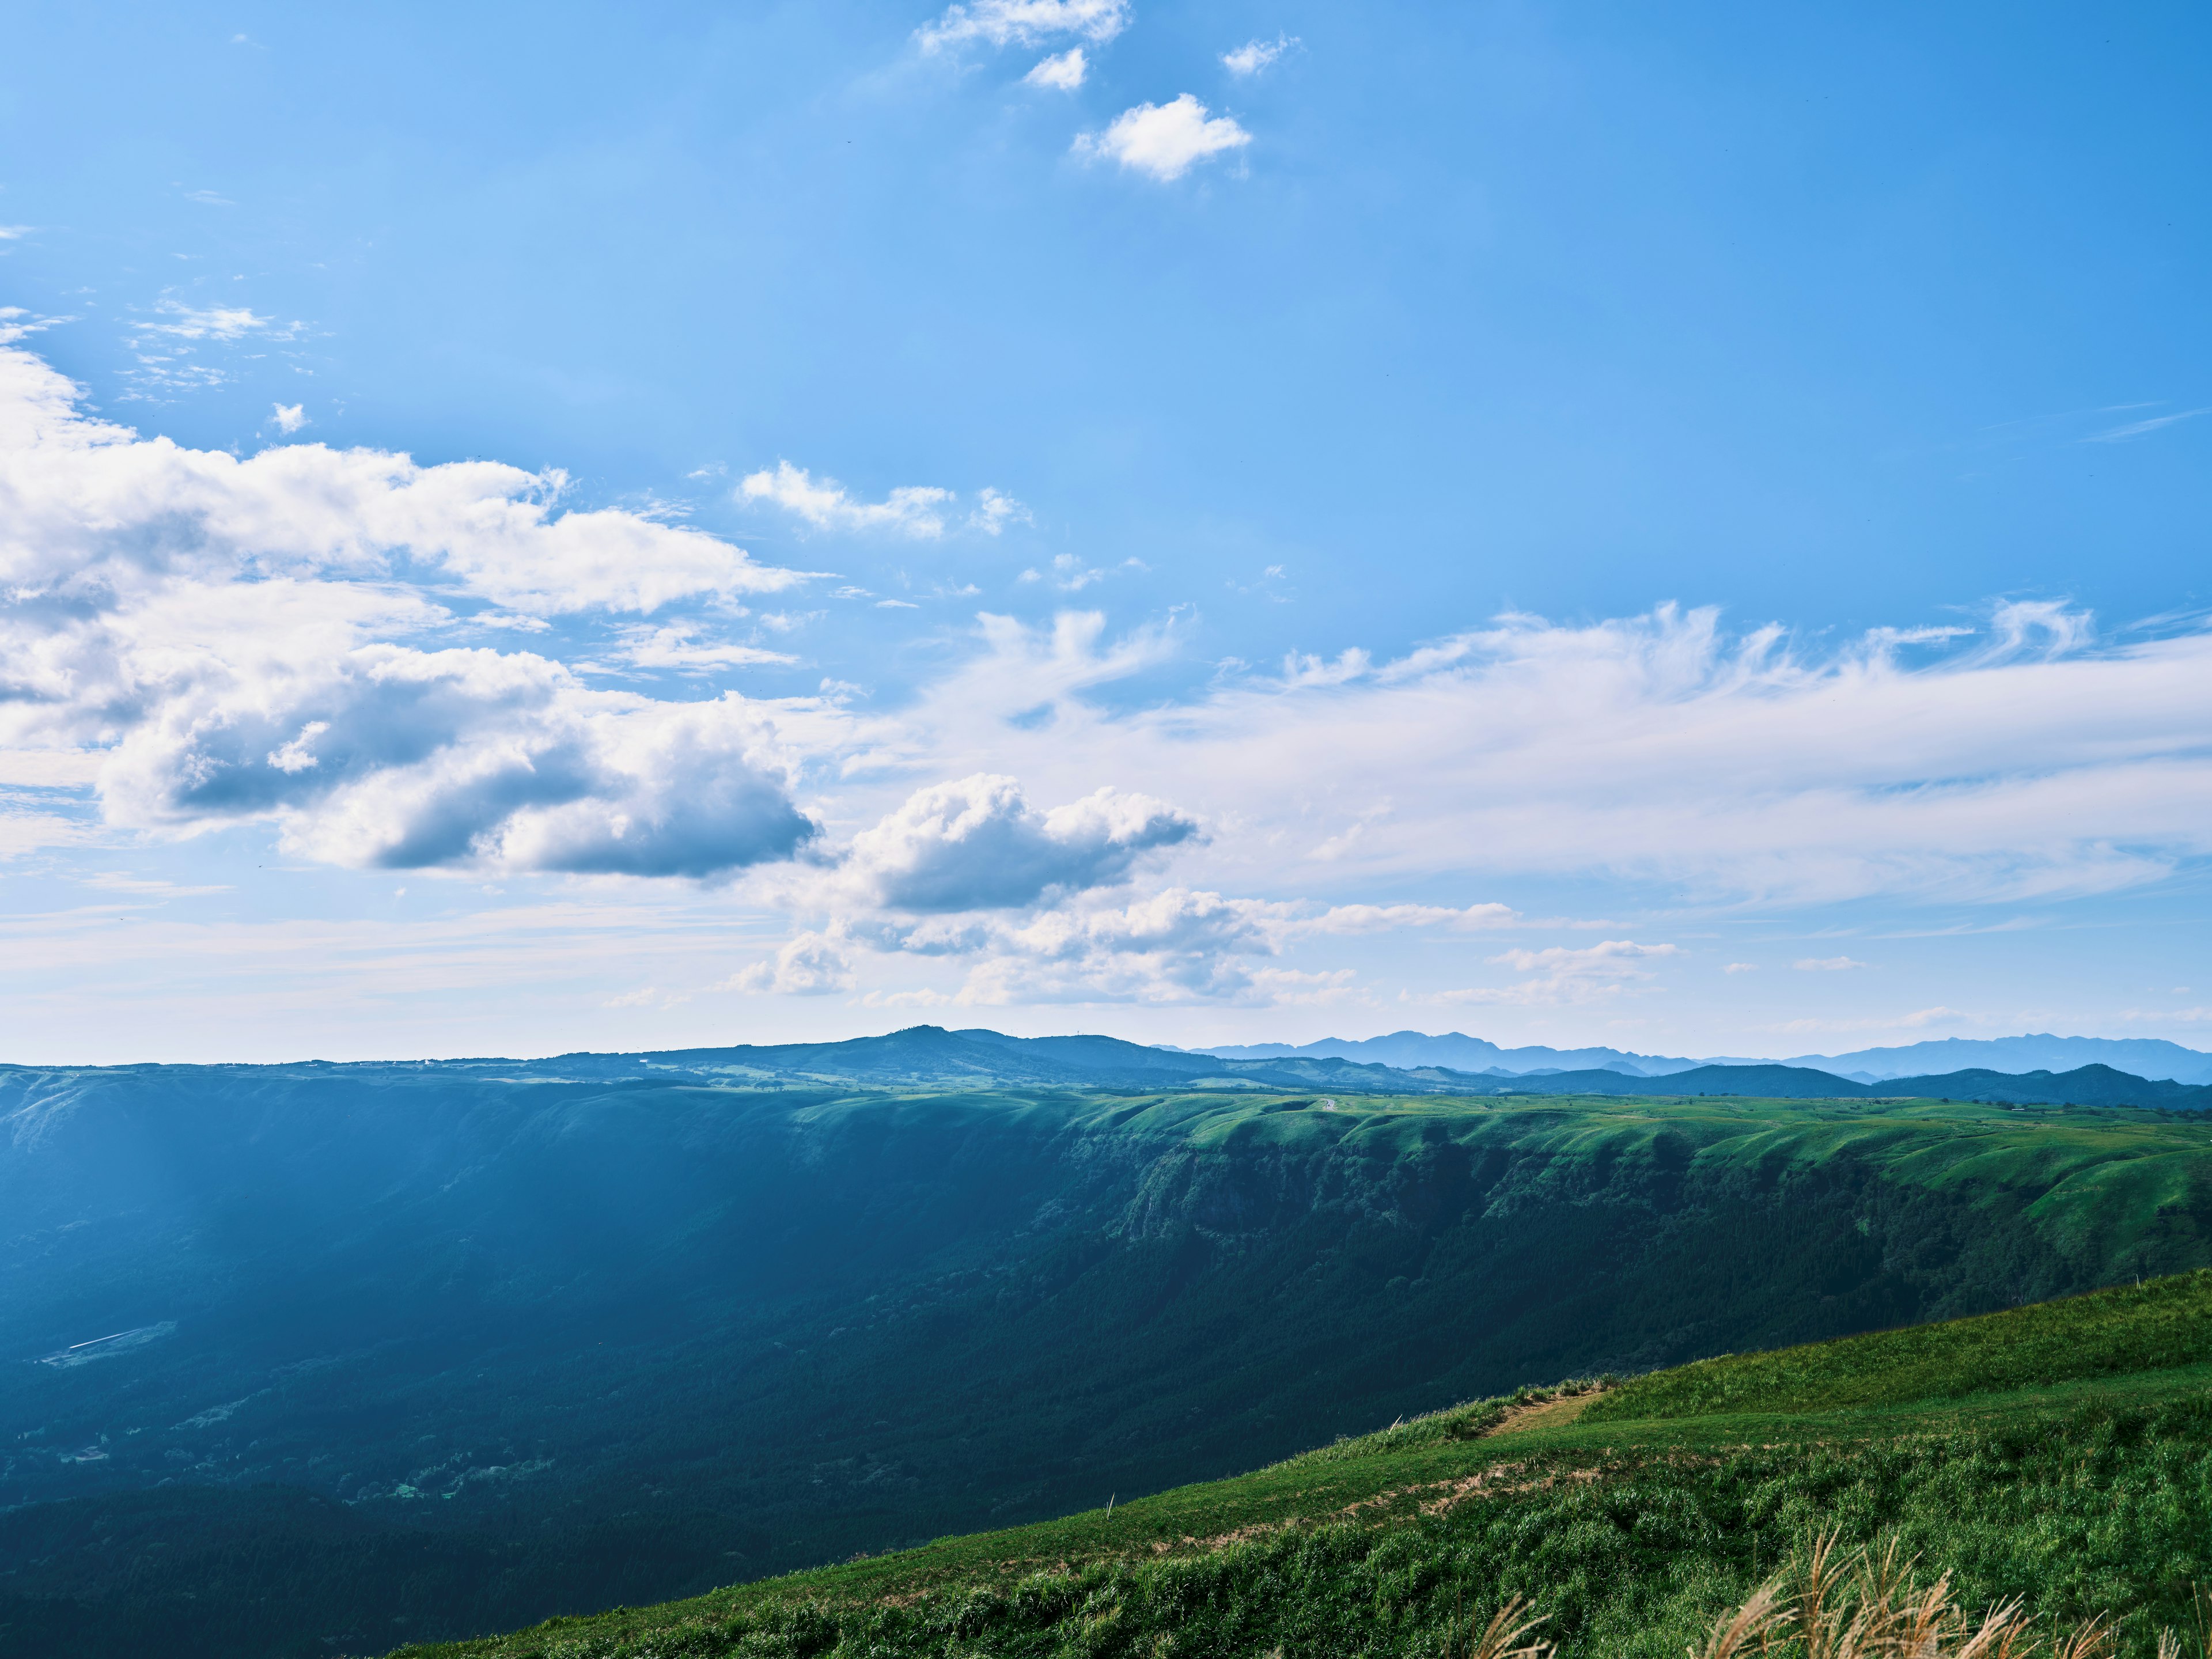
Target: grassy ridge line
[
  {"x": 2161, "y": 1326},
  {"x": 2100, "y": 1182},
  {"x": 2058, "y": 1489}
]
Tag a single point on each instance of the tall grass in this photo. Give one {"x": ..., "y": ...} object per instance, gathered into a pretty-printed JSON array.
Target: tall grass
[{"x": 1875, "y": 1607}]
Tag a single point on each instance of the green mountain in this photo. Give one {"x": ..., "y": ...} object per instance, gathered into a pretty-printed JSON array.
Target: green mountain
[
  {"x": 323, "y": 1357},
  {"x": 2058, "y": 1456}
]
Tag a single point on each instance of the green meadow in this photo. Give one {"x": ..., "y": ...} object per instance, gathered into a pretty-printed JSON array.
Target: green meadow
[{"x": 2060, "y": 1454}]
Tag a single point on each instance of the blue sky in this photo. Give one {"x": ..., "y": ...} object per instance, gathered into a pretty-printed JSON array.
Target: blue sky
[{"x": 1678, "y": 530}]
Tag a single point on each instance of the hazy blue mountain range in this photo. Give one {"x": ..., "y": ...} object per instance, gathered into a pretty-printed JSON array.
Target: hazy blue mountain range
[
  {"x": 929, "y": 1056},
  {"x": 1457, "y": 1051},
  {"x": 2151, "y": 1057},
  {"x": 2147, "y": 1057}
]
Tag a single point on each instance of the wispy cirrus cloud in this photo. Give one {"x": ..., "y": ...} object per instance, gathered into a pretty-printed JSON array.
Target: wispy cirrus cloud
[
  {"x": 922, "y": 512},
  {"x": 2030, "y": 759},
  {"x": 1023, "y": 22},
  {"x": 2144, "y": 428},
  {"x": 176, "y": 320},
  {"x": 1256, "y": 56}
]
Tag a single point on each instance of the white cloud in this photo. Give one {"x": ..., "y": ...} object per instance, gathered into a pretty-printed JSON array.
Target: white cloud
[
  {"x": 678, "y": 646},
  {"x": 977, "y": 844},
  {"x": 1741, "y": 967},
  {"x": 1255, "y": 56},
  {"x": 2030, "y": 761},
  {"x": 916, "y": 510},
  {"x": 1063, "y": 73},
  {"x": 189, "y": 640},
  {"x": 89, "y": 507},
  {"x": 17, "y": 233},
  {"x": 229, "y": 638},
  {"x": 185, "y": 322},
  {"x": 377, "y": 756},
  {"x": 1071, "y": 575},
  {"x": 290, "y": 417},
  {"x": 995, "y": 510},
  {"x": 1389, "y": 918},
  {"x": 808, "y": 966},
  {"x": 1179, "y": 945},
  {"x": 1826, "y": 964},
  {"x": 2142, "y": 428},
  {"x": 1024, "y": 23},
  {"x": 1163, "y": 140}
]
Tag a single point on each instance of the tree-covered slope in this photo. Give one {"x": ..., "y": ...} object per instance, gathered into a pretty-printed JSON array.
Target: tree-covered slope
[{"x": 531, "y": 1321}]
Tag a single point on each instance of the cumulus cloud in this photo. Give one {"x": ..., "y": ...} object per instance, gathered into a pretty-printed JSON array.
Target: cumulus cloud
[
  {"x": 978, "y": 844},
  {"x": 379, "y": 755},
  {"x": 190, "y": 640},
  {"x": 1256, "y": 56},
  {"x": 1179, "y": 945},
  {"x": 290, "y": 417},
  {"x": 233, "y": 640},
  {"x": 916, "y": 510},
  {"x": 1826, "y": 964},
  {"x": 1062, "y": 73},
  {"x": 1024, "y": 23},
  {"x": 995, "y": 510},
  {"x": 807, "y": 966},
  {"x": 88, "y": 508},
  {"x": 1163, "y": 141}
]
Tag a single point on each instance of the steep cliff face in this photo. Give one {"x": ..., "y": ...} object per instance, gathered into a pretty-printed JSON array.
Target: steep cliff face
[{"x": 814, "y": 1321}]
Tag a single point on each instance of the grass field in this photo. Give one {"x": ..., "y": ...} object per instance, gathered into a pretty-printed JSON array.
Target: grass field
[{"x": 2060, "y": 1453}]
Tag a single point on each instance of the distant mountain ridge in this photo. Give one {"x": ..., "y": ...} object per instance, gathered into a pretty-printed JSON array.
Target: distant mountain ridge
[
  {"x": 931, "y": 1057},
  {"x": 2150, "y": 1057},
  {"x": 2145, "y": 1057},
  {"x": 1457, "y": 1051}
]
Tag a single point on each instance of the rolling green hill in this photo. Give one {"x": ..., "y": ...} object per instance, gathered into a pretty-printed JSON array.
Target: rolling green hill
[
  {"x": 2059, "y": 1453},
  {"x": 429, "y": 1350}
]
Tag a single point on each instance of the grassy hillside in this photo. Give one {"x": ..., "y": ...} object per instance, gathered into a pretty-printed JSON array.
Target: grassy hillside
[
  {"x": 2061, "y": 1453},
  {"x": 440, "y": 1346}
]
